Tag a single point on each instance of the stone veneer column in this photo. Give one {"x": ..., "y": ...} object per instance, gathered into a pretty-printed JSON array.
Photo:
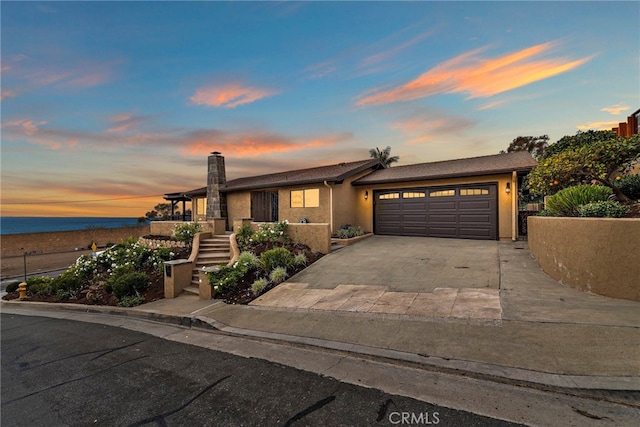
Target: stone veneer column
[{"x": 216, "y": 178}]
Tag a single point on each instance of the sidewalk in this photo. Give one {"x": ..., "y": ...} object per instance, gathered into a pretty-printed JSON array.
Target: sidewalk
[{"x": 548, "y": 334}]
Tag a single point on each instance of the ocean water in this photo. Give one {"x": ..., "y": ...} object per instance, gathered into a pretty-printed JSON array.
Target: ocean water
[{"x": 32, "y": 224}]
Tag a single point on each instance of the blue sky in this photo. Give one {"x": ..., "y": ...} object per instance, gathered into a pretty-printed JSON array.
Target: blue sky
[{"x": 120, "y": 102}]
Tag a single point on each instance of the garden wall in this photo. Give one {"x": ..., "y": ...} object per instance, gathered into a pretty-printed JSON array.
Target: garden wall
[
  {"x": 315, "y": 235},
  {"x": 66, "y": 241},
  {"x": 598, "y": 255}
]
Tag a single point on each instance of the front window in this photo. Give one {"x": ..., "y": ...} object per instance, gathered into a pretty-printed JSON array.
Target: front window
[{"x": 305, "y": 198}]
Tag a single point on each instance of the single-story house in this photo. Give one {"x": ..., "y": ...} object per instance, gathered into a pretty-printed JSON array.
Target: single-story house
[{"x": 474, "y": 198}]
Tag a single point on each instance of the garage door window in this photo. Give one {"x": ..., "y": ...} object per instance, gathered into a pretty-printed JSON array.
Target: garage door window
[
  {"x": 413, "y": 195},
  {"x": 389, "y": 196},
  {"x": 474, "y": 192},
  {"x": 442, "y": 193}
]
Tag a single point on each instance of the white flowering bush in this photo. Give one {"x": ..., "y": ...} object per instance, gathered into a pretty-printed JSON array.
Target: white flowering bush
[
  {"x": 128, "y": 256},
  {"x": 274, "y": 234}
]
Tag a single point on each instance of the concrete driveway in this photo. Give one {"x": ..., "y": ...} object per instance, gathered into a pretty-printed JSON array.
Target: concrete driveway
[
  {"x": 425, "y": 277},
  {"x": 408, "y": 264}
]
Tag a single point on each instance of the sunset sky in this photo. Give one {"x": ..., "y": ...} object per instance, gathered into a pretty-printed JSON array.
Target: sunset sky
[{"x": 108, "y": 105}]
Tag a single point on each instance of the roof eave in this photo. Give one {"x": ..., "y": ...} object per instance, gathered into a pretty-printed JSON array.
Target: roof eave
[{"x": 443, "y": 176}]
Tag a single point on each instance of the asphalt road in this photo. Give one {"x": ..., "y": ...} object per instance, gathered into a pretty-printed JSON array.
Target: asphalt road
[{"x": 58, "y": 372}]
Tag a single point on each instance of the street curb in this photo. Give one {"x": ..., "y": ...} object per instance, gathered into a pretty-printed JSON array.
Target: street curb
[{"x": 485, "y": 371}]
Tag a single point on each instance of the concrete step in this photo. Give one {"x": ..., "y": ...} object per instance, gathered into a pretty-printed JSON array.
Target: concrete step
[{"x": 193, "y": 289}]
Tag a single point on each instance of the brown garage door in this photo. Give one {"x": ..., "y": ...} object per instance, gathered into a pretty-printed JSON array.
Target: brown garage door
[{"x": 464, "y": 212}]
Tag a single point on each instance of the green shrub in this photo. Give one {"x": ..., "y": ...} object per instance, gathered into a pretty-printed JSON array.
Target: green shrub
[
  {"x": 249, "y": 259},
  {"x": 565, "y": 202},
  {"x": 40, "y": 286},
  {"x": 630, "y": 186},
  {"x": 129, "y": 284},
  {"x": 130, "y": 301},
  {"x": 12, "y": 287},
  {"x": 186, "y": 231},
  {"x": 300, "y": 259},
  {"x": 278, "y": 275},
  {"x": 274, "y": 258},
  {"x": 226, "y": 277},
  {"x": 61, "y": 294},
  {"x": 68, "y": 282},
  {"x": 243, "y": 237},
  {"x": 349, "y": 231},
  {"x": 606, "y": 209},
  {"x": 259, "y": 286}
]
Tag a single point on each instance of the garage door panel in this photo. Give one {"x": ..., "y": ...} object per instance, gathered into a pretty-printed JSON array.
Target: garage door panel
[
  {"x": 474, "y": 219},
  {"x": 461, "y": 212},
  {"x": 442, "y": 219},
  {"x": 475, "y": 205},
  {"x": 442, "y": 205}
]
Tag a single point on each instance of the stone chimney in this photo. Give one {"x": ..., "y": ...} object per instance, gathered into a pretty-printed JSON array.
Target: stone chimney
[{"x": 216, "y": 178}]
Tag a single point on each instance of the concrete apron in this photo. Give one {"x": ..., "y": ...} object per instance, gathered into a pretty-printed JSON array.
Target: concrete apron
[{"x": 412, "y": 276}]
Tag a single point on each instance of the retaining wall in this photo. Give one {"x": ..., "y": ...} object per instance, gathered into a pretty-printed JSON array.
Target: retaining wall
[
  {"x": 315, "y": 235},
  {"x": 598, "y": 255},
  {"x": 66, "y": 241}
]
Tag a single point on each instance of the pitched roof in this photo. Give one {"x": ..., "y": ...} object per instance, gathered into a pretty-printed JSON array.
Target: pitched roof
[
  {"x": 520, "y": 161},
  {"x": 331, "y": 173}
]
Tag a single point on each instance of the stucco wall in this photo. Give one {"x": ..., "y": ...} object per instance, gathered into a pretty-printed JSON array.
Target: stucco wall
[
  {"x": 598, "y": 255},
  {"x": 239, "y": 205},
  {"x": 316, "y": 236},
  {"x": 293, "y": 215},
  {"x": 505, "y": 213},
  {"x": 63, "y": 241}
]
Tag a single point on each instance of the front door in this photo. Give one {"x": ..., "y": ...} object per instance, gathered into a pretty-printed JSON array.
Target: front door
[{"x": 264, "y": 206}]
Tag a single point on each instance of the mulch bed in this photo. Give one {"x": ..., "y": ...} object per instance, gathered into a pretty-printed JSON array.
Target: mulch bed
[{"x": 242, "y": 293}]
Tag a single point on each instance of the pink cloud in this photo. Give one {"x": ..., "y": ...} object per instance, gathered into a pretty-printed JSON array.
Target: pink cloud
[
  {"x": 6, "y": 94},
  {"x": 230, "y": 95},
  {"x": 201, "y": 143},
  {"x": 477, "y": 76},
  {"x": 124, "y": 122},
  {"x": 606, "y": 125},
  {"x": 616, "y": 109}
]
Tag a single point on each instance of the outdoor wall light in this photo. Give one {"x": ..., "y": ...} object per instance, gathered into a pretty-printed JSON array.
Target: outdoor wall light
[
  {"x": 508, "y": 188},
  {"x": 366, "y": 195}
]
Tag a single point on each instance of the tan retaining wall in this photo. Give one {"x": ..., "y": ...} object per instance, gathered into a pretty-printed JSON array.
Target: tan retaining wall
[
  {"x": 65, "y": 241},
  {"x": 316, "y": 236},
  {"x": 598, "y": 255}
]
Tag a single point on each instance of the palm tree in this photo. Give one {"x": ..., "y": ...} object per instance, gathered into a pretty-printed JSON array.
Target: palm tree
[{"x": 384, "y": 156}]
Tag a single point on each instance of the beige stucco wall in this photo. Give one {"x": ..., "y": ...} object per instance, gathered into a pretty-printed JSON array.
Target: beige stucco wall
[
  {"x": 317, "y": 236},
  {"x": 238, "y": 205},
  {"x": 293, "y": 215},
  {"x": 364, "y": 215},
  {"x": 598, "y": 255}
]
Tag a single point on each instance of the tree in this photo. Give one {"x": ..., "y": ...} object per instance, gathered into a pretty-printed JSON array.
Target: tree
[
  {"x": 578, "y": 140},
  {"x": 603, "y": 161},
  {"x": 536, "y": 145},
  {"x": 384, "y": 156},
  {"x": 161, "y": 212}
]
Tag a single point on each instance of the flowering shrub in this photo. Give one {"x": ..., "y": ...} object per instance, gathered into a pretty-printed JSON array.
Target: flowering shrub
[
  {"x": 267, "y": 233},
  {"x": 185, "y": 232}
]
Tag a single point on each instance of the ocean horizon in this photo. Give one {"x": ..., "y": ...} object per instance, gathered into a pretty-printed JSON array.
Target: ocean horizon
[{"x": 34, "y": 224}]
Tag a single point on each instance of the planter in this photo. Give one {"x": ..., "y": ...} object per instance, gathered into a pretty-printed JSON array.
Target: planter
[
  {"x": 598, "y": 255},
  {"x": 350, "y": 241}
]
